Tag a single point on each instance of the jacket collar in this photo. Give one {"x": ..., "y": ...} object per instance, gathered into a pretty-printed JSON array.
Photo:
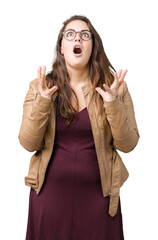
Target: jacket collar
[{"x": 85, "y": 89}]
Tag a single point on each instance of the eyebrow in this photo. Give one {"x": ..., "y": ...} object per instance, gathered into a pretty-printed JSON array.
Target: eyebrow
[{"x": 77, "y": 31}]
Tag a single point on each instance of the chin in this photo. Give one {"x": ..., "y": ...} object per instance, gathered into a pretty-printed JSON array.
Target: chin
[{"x": 78, "y": 64}]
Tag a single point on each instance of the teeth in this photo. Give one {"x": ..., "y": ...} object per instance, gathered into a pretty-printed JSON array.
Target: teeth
[{"x": 77, "y": 49}]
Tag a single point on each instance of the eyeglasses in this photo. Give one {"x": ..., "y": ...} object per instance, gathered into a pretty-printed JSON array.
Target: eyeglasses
[{"x": 70, "y": 34}]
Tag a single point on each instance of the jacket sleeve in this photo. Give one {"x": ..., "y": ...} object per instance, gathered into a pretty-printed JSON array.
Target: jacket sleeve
[
  {"x": 121, "y": 117},
  {"x": 36, "y": 111}
]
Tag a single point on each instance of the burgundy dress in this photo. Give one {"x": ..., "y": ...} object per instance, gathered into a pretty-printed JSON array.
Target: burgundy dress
[{"x": 71, "y": 205}]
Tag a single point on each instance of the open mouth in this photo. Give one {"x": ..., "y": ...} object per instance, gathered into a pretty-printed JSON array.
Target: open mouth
[{"x": 77, "y": 50}]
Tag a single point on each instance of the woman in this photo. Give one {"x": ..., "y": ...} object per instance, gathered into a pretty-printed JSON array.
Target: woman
[{"x": 75, "y": 118}]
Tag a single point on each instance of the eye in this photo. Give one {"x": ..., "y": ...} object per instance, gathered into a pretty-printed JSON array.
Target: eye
[
  {"x": 70, "y": 34},
  {"x": 85, "y": 35}
]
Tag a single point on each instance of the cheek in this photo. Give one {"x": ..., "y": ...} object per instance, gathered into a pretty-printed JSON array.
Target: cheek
[
  {"x": 65, "y": 48},
  {"x": 89, "y": 50}
]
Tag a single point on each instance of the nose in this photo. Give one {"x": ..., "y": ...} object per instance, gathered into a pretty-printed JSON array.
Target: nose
[{"x": 77, "y": 38}]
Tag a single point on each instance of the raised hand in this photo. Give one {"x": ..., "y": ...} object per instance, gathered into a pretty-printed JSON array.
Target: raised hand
[
  {"x": 42, "y": 86},
  {"x": 111, "y": 93}
]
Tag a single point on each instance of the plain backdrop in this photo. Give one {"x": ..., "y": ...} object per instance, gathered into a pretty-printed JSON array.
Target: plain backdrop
[{"x": 29, "y": 31}]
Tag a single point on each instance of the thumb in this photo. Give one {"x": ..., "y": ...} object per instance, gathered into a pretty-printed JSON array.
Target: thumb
[
  {"x": 100, "y": 91},
  {"x": 53, "y": 89}
]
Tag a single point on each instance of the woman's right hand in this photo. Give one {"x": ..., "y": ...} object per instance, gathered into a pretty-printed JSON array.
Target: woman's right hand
[{"x": 42, "y": 86}]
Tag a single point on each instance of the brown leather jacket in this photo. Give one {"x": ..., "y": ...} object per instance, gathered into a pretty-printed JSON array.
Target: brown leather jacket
[{"x": 120, "y": 132}]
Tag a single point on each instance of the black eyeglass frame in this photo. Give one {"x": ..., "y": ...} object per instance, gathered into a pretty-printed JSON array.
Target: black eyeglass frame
[{"x": 91, "y": 34}]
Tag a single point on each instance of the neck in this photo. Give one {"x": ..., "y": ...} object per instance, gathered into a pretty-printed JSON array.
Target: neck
[{"x": 79, "y": 77}]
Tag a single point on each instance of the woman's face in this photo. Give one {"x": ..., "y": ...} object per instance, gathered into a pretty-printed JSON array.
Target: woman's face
[{"x": 73, "y": 58}]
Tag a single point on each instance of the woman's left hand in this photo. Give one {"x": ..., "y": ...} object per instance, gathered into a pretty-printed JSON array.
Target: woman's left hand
[{"x": 111, "y": 93}]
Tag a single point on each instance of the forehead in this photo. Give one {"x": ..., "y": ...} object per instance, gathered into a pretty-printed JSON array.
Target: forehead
[{"x": 77, "y": 25}]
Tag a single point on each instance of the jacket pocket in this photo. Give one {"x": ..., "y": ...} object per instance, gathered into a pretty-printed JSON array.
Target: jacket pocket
[{"x": 31, "y": 179}]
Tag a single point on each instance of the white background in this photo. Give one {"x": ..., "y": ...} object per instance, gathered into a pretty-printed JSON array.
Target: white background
[{"x": 29, "y": 31}]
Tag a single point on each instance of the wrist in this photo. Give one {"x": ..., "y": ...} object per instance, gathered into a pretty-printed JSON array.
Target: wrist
[
  {"x": 111, "y": 99},
  {"x": 45, "y": 96}
]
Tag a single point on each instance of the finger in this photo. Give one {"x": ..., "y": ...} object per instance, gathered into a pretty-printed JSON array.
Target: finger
[
  {"x": 100, "y": 91},
  {"x": 124, "y": 73},
  {"x": 43, "y": 83},
  {"x": 39, "y": 72},
  {"x": 52, "y": 90},
  {"x": 123, "y": 76},
  {"x": 119, "y": 73},
  {"x": 115, "y": 83},
  {"x": 115, "y": 76},
  {"x": 43, "y": 71},
  {"x": 107, "y": 88},
  {"x": 39, "y": 78}
]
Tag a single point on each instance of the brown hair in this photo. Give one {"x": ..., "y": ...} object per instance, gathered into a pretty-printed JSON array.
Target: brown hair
[{"x": 99, "y": 73}]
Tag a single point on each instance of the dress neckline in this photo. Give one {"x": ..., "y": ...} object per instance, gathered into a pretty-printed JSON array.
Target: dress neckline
[{"x": 81, "y": 110}]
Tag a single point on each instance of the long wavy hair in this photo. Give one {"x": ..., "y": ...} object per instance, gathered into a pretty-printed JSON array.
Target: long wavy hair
[{"x": 99, "y": 74}]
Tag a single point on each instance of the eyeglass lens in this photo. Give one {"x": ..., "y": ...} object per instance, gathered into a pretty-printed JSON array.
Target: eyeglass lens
[{"x": 70, "y": 34}]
